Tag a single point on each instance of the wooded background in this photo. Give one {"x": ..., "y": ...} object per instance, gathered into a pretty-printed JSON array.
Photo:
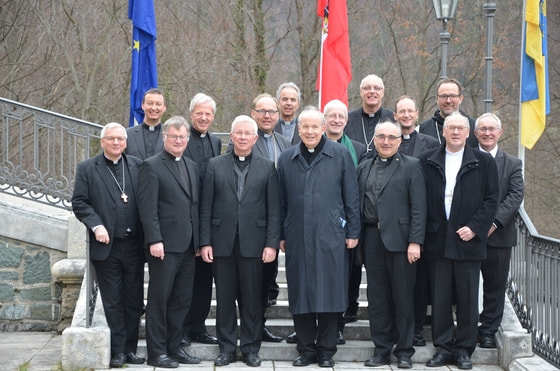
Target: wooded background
[{"x": 73, "y": 57}]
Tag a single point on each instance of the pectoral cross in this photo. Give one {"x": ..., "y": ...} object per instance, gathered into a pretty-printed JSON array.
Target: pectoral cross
[{"x": 124, "y": 197}]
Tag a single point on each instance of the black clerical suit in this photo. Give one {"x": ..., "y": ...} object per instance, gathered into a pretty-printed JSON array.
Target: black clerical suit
[
  {"x": 434, "y": 128},
  {"x": 361, "y": 126},
  {"x": 168, "y": 205},
  {"x": 239, "y": 217},
  {"x": 455, "y": 263},
  {"x": 495, "y": 268},
  {"x": 142, "y": 142},
  {"x": 393, "y": 207},
  {"x": 201, "y": 148},
  {"x": 119, "y": 265}
]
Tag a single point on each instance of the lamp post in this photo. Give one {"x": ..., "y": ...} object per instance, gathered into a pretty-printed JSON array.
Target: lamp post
[
  {"x": 445, "y": 10},
  {"x": 490, "y": 8}
]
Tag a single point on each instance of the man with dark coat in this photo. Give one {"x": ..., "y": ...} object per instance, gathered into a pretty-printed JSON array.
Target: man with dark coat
[
  {"x": 239, "y": 231},
  {"x": 320, "y": 213},
  {"x": 144, "y": 140},
  {"x": 203, "y": 145},
  {"x": 168, "y": 204},
  {"x": 462, "y": 194},
  {"x": 502, "y": 235},
  {"x": 362, "y": 121},
  {"x": 105, "y": 200},
  {"x": 393, "y": 208}
]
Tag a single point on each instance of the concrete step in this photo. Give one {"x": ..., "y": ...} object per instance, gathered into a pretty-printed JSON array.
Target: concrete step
[{"x": 352, "y": 351}]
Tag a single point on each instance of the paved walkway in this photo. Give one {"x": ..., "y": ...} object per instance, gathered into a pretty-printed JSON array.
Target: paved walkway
[{"x": 39, "y": 351}]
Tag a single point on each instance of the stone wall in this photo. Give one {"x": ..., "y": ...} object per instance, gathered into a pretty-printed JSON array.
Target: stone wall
[{"x": 29, "y": 296}]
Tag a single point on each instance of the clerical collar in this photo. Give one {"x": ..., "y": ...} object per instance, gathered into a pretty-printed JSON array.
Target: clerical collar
[
  {"x": 286, "y": 123},
  {"x": 385, "y": 161},
  {"x": 371, "y": 115},
  {"x": 172, "y": 157},
  {"x": 242, "y": 158},
  {"x": 111, "y": 162},
  {"x": 264, "y": 135},
  {"x": 150, "y": 128},
  {"x": 408, "y": 136},
  {"x": 197, "y": 133}
]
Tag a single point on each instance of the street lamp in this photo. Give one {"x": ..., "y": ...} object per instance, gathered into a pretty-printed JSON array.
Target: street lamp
[
  {"x": 445, "y": 10},
  {"x": 490, "y": 8}
]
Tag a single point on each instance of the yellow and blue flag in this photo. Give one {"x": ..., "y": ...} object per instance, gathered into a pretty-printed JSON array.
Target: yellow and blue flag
[
  {"x": 535, "y": 101},
  {"x": 144, "y": 69}
]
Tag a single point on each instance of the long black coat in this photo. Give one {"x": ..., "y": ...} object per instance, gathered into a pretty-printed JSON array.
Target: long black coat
[
  {"x": 320, "y": 210},
  {"x": 474, "y": 204}
]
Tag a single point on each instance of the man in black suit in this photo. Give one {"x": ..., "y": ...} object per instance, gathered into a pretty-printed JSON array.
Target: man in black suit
[
  {"x": 239, "y": 231},
  {"x": 168, "y": 203},
  {"x": 462, "y": 192},
  {"x": 203, "y": 145},
  {"x": 413, "y": 144},
  {"x": 105, "y": 200},
  {"x": 393, "y": 209},
  {"x": 502, "y": 235},
  {"x": 144, "y": 140},
  {"x": 449, "y": 97},
  {"x": 269, "y": 145},
  {"x": 362, "y": 121},
  {"x": 289, "y": 98}
]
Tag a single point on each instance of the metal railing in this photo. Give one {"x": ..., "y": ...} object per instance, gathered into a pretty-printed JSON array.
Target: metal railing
[
  {"x": 534, "y": 287},
  {"x": 39, "y": 151}
]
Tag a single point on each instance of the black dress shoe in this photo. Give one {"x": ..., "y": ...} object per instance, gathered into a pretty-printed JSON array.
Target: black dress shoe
[
  {"x": 269, "y": 336},
  {"x": 186, "y": 341},
  {"x": 404, "y": 362},
  {"x": 340, "y": 338},
  {"x": 205, "y": 338},
  {"x": 183, "y": 357},
  {"x": 350, "y": 317},
  {"x": 439, "y": 360},
  {"x": 163, "y": 361},
  {"x": 291, "y": 339},
  {"x": 464, "y": 362},
  {"x": 304, "y": 360},
  {"x": 326, "y": 362},
  {"x": 418, "y": 340},
  {"x": 118, "y": 360},
  {"x": 225, "y": 359},
  {"x": 377, "y": 360},
  {"x": 252, "y": 359},
  {"x": 487, "y": 341},
  {"x": 133, "y": 359}
]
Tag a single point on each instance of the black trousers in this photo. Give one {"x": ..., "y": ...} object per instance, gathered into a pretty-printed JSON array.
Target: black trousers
[
  {"x": 390, "y": 296},
  {"x": 421, "y": 294},
  {"x": 270, "y": 271},
  {"x": 454, "y": 279},
  {"x": 169, "y": 299},
  {"x": 194, "y": 324},
  {"x": 495, "y": 270},
  {"x": 121, "y": 284},
  {"x": 316, "y": 334},
  {"x": 241, "y": 279}
]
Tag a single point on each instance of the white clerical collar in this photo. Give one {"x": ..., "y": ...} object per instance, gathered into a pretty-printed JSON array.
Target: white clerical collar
[
  {"x": 241, "y": 158},
  {"x": 203, "y": 135},
  {"x": 151, "y": 128},
  {"x": 267, "y": 135},
  {"x": 177, "y": 159},
  {"x": 493, "y": 151},
  {"x": 406, "y": 136},
  {"x": 311, "y": 150}
]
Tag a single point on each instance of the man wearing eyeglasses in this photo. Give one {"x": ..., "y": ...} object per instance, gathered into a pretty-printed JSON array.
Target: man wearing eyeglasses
[
  {"x": 168, "y": 189},
  {"x": 503, "y": 234},
  {"x": 462, "y": 192},
  {"x": 270, "y": 144},
  {"x": 362, "y": 121},
  {"x": 393, "y": 208},
  {"x": 105, "y": 200},
  {"x": 449, "y": 98}
]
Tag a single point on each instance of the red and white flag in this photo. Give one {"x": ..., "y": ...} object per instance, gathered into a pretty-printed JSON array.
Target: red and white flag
[{"x": 335, "y": 69}]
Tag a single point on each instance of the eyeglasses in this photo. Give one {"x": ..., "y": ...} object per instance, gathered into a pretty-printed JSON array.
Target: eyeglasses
[
  {"x": 240, "y": 134},
  {"x": 175, "y": 137},
  {"x": 263, "y": 112},
  {"x": 489, "y": 129},
  {"x": 458, "y": 128},
  {"x": 382, "y": 137},
  {"x": 372, "y": 87},
  {"x": 448, "y": 96},
  {"x": 405, "y": 111},
  {"x": 334, "y": 116},
  {"x": 112, "y": 139}
]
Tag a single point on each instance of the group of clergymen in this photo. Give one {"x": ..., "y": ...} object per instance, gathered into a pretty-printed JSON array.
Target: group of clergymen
[{"x": 425, "y": 209}]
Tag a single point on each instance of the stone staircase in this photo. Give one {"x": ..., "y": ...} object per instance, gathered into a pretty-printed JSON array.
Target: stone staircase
[{"x": 358, "y": 345}]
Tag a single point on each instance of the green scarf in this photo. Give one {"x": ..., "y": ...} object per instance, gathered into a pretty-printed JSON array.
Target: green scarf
[{"x": 347, "y": 142}]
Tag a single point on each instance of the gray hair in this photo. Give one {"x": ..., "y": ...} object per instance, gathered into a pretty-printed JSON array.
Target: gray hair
[
  {"x": 112, "y": 125},
  {"x": 244, "y": 118},
  {"x": 288, "y": 85},
  {"x": 456, "y": 115},
  {"x": 311, "y": 111},
  {"x": 491, "y": 116},
  {"x": 202, "y": 98},
  {"x": 176, "y": 122},
  {"x": 388, "y": 123},
  {"x": 335, "y": 103}
]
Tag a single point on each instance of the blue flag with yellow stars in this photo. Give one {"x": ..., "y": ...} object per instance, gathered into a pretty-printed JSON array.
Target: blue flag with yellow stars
[{"x": 144, "y": 69}]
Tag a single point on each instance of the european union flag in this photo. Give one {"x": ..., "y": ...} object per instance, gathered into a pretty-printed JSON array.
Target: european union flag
[{"x": 144, "y": 69}]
